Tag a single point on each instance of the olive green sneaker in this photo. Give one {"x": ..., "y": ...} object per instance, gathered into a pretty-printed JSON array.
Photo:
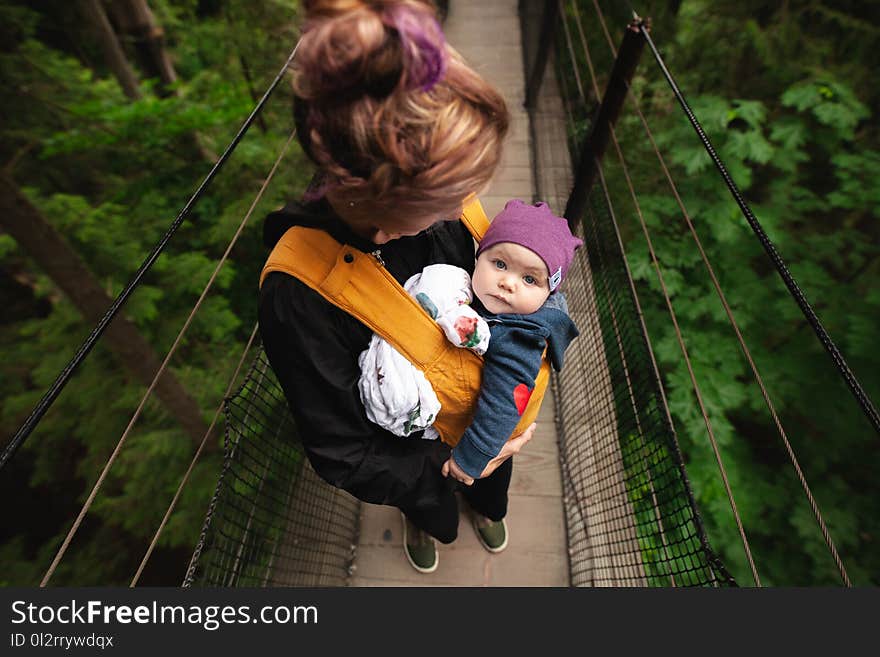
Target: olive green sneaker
[
  {"x": 491, "y": 534},
  {"x": 419, "y": 548}
]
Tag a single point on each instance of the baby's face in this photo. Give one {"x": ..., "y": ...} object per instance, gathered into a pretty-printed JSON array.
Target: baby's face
[{"x": 510, "y": 278}]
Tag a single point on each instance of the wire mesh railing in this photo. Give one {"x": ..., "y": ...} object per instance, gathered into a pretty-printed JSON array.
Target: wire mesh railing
[
  {"x": 631, "y": 516},
  {"x": 271, "y": 521}
]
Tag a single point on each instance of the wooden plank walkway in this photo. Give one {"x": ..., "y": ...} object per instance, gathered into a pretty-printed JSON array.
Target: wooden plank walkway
[{"x": 487, "y": 34}]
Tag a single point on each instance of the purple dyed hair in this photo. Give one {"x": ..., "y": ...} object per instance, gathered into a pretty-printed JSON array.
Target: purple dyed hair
[{"x": 423, "y": 43}]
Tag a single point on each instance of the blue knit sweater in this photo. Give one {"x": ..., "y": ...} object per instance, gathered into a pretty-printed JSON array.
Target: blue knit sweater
[{"x": 510, "y": 367}]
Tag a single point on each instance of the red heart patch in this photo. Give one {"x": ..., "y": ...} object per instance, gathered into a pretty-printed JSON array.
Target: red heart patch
[{"x": 521, "y": 396}]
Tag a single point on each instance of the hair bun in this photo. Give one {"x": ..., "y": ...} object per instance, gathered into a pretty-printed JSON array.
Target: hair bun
[
  {"x": 351, "y": 48},
  {"x": 362, "y": 114}
]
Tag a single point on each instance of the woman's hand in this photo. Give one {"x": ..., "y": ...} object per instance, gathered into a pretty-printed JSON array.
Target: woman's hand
[{"x": 510, "y": 448}]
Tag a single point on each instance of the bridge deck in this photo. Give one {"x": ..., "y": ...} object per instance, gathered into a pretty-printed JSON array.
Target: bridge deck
[{"x": 487, "y": 33}]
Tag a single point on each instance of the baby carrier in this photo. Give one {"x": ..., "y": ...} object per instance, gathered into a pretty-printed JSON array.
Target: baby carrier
[{"x": 357, "y": 283}]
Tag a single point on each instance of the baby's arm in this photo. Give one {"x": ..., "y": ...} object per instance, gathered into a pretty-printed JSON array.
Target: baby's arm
[
  {"x": 465, "y": 328},
  {"x": 511, "y": 366}
]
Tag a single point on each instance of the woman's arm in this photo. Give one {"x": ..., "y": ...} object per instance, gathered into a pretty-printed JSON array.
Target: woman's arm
[{"x": 313, "y": 348}]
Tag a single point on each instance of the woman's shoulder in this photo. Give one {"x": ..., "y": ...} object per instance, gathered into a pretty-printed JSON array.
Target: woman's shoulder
[
  {"x": 294, "y": 213},
  {"x": 285, "y": 296},
  {"x": 288, "y": 300},
  {"x": 287, "y": 306}
]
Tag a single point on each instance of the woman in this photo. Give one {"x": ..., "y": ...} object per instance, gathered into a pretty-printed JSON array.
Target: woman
[{"x": 401, "y": 130}]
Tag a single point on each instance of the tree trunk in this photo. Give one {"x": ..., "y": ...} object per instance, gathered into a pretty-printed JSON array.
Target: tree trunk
[
  {"x": 114, "y": 56},
  {"x": 134, "y": 18},
  {"x": 245, "y": 68},
  {"x": 27, "y": 225}
]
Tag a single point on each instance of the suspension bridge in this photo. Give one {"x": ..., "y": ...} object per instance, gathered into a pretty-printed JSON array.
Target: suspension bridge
[{"x": 600, "y": 497}]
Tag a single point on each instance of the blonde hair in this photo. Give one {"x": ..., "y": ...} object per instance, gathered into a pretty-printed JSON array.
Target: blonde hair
[{"x": 394, "y": 118}]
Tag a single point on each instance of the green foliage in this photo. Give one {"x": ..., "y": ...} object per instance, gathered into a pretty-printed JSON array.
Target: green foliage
[
  {"x": 111, "y": 175},
  {"x": 787, "y": 102},
  {"x": 832, "y": 104}
]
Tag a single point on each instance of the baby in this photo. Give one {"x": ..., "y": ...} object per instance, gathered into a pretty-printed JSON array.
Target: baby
[
  {"x": 517, "y": 312},
  {"x": 521, "y": 262}
]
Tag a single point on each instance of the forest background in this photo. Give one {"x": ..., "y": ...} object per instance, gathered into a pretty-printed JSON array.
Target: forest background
[{"x": 103, "y": 146}]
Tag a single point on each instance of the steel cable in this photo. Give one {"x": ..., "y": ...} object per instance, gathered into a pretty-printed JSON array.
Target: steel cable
[
  {"x": 165, "y": 362},
  {"x": 61, "y": 381}
]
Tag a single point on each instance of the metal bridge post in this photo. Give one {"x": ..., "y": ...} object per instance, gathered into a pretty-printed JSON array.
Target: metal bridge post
[
  {"x": 545, "y": 41},
  {"x": 596, "y": 142}
]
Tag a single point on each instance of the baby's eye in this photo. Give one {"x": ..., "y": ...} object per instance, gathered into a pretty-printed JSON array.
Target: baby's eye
[
  {"x": 500, "y": 264},
  {"x": 530, "y": 280}
]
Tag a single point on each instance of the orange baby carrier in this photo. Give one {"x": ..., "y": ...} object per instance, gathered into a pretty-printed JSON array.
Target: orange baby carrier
[{"x": 357, "y": 283}]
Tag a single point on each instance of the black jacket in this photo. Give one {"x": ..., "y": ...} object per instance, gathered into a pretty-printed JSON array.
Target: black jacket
[{"x": 313, "y": 348}]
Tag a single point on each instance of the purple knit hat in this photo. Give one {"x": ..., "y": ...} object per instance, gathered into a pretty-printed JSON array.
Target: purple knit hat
[{"x": 538, "y": 229}]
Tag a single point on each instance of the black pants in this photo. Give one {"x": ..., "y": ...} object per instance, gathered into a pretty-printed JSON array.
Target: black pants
[{"x": 487, "y": 497}]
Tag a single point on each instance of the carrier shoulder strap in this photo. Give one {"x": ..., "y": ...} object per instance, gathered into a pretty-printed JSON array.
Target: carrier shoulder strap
[
  {"x": 474, "y": 217},
  {"x": 358, "y": 284}
]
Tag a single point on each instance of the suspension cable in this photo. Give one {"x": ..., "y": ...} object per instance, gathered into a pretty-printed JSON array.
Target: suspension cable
[
  {"x": 682, "y": 346},
  {"x": 793, "y": 288},
  {"x": 162, "y": 367},
  {"x": 192, "y": 464},
  {"x": 40, "y": 410},
  {"x": 826, "y": 535}
]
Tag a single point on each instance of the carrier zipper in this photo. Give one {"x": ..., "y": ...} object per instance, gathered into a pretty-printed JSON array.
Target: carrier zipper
[{"x": 377, "y": 254}]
